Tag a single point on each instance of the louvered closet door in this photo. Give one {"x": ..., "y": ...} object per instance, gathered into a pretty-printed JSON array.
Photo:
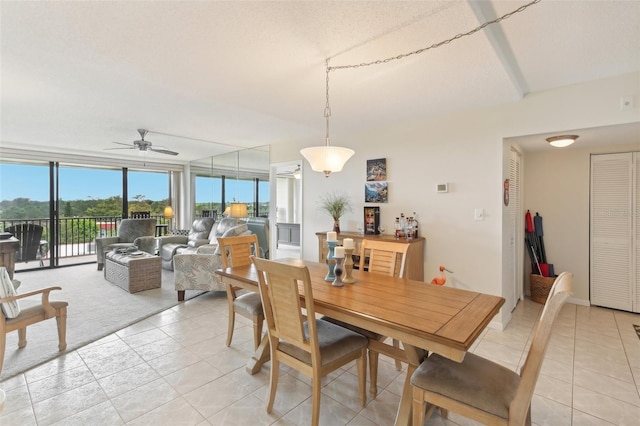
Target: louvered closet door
[{"x": 611, "y": 231}]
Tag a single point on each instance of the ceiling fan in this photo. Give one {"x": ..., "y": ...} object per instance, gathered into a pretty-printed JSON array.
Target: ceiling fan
[{"x": 144, "y": 146}]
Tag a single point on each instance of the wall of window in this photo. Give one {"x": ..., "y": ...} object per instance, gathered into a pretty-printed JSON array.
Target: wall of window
[{"x": 239, "y": 176}]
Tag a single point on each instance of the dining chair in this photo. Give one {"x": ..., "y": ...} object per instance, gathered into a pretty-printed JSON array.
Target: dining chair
[
  {"x": 312, "y": 346},
  {"x": 481, "y": 389},
  {"x": 236, "y": 251},
  {"x": 388, "y": 258}
]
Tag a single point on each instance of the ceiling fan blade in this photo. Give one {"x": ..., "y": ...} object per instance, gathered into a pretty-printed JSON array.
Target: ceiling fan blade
[
  {"x": 162, "y": 150},
  {"x": 125, "y": 144}
]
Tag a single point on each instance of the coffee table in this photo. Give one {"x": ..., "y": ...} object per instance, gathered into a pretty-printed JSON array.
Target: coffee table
[{"x": 133, "y": 272}]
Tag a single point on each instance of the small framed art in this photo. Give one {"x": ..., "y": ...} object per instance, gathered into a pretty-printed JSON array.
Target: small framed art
[
  {"x": 371, "y": 220},
  {"x": 377, "y": 169}
]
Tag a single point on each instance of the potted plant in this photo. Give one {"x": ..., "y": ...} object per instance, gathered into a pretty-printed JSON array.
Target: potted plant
[{"x": 336, "y": 205}]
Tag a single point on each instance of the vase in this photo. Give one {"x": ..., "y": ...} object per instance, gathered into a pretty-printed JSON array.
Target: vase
[{"x": 336, "y": 226}]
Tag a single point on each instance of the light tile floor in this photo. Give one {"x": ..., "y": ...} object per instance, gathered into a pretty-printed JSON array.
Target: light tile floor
[{"x": 174, "y": 369}]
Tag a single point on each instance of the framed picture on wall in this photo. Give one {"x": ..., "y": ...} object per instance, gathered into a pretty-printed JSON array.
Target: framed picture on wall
[
  {"x": 377, "y": 169},
  {"x": 376, "y": 192},
  {"x": 371, "y": 220}
]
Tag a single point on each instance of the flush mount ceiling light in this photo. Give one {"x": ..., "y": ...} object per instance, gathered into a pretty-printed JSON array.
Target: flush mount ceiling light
[
  {"x": 562, "y": 141},
  {"x": 329, "y": 159}
]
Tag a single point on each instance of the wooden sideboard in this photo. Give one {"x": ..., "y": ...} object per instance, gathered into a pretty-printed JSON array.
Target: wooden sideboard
[{"x": 414, "y": 265}]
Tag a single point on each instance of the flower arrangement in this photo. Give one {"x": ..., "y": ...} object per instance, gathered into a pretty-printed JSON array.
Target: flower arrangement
[{"x": 336, "y": 204}]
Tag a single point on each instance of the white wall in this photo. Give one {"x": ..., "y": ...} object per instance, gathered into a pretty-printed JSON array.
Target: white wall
[{"x": 464, "y": 149}]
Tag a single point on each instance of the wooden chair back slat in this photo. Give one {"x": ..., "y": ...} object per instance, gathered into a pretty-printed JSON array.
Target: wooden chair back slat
[
  {"x": 385, "y": 257},
  {"x": 236, "y": 251}
]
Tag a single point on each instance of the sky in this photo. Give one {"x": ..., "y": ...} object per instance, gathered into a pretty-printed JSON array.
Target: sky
[{"x": 31, "y": 181}]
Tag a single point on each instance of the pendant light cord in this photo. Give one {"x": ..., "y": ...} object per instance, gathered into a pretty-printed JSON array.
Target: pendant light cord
[
  {"x": 424, "y": 49},
  {"x": 327, "y": 108}
]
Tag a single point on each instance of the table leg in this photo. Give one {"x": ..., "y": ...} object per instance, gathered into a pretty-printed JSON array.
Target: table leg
[
  {"x": 415, "y": 356},
  {"x": 261, "y": 356}
]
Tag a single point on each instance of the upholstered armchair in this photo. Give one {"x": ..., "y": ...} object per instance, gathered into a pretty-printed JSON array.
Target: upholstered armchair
[
  {"x": 130, "y": 232},
  {"x": 170, "y": 245},
  {"x": 260, "y": 227},
  {"x": 197, "y": 270}
]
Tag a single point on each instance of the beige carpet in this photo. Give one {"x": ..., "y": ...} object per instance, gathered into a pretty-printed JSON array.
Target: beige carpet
[{"x": 96, "y": 308}]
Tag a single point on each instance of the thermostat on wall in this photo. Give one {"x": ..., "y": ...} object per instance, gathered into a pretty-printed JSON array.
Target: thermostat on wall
[{"x": 443, "y": 187}]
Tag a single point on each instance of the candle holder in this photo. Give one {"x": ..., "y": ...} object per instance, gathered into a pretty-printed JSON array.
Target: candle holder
[
  {"x": 337, "y": 282},
  {"x": 331, "y": 262},
  {"x": 348, "y": 267}
]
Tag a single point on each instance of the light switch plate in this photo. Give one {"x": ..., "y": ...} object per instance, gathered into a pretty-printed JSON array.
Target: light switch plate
[{"x": 478, "y": 214}]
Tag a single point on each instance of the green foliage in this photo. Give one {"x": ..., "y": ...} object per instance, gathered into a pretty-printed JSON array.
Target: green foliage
[{"x": 336, "y": 204}]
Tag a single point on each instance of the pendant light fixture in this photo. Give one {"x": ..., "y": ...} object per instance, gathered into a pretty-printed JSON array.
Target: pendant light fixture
[
  {"x": 562, "y": 141},
  {"x": 330, "y": 159},
  {"x": 327, "y": 158}
]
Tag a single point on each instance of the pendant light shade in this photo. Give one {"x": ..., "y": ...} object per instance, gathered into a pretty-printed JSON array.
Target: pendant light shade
[
  {"x": 562, "y": 141},
  {"x": 327, "y": 159}
]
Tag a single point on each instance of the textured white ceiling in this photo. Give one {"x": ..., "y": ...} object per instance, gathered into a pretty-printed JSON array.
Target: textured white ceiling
[{"x": 79, "y": 75}]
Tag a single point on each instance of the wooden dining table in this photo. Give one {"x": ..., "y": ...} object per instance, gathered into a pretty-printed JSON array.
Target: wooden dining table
[{"x": 424, "y": 317}]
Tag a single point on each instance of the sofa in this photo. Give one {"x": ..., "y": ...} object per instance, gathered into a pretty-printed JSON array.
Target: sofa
[
  {"x": 170, "y": 245},
  {"x": 131, "y": 232},
  {"x": 195, "y": 268}
]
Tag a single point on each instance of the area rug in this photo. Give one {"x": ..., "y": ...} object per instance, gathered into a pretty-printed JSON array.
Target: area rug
[
  {"x": 637, "y": 327},
  {"x": 96, "y": 308}
]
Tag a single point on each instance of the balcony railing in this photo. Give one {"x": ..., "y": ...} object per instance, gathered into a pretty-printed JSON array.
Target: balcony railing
[{"x": 77, "y": 234}]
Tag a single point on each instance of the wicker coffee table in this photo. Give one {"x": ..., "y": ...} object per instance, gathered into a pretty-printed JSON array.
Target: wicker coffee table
[{"x": 133, "y": 272}]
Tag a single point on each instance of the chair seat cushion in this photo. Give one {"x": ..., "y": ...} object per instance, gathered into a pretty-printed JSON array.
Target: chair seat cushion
[
  {"x": 366, "y": 333},
  {"x": 249, "y": 303},
  {"x": 334, "y": 342},
  {"x": 476, "y": 381}
]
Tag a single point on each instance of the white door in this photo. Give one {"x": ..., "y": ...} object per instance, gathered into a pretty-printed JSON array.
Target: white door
[{"x": 611, "y": 211}]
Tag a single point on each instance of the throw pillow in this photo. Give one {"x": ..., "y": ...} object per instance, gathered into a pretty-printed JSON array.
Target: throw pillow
[
  {"x": 236, "y": 231},
  {"x": 9, "y": 309}
]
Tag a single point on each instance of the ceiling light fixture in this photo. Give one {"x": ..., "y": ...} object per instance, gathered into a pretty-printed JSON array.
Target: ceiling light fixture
[
  {"x": 562, "y": 141},
  {"x": 330, "y": 159},
  {"x": 327, "y": 158}
]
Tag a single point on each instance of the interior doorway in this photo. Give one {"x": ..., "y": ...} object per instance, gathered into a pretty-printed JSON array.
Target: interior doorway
[{"x": 286, "y": 208}]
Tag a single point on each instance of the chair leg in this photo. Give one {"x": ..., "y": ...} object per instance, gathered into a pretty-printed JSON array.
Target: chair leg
[
  {"x": 419, "y": 406},
  {"x": 180, "y": 295},
  {"x": 100, "y": 266},
  {"x": 3, "y": 342},
  {"x": 22, "y": 337},
  {"x": 61, "y": 319},
  {"x": 396, "y": 344},
  {"x": 273, "y": 382},
  {"x": 373, "y": 373},
  {"x": 231, "y": 296},
  {"x": 315, "y": 397}
]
